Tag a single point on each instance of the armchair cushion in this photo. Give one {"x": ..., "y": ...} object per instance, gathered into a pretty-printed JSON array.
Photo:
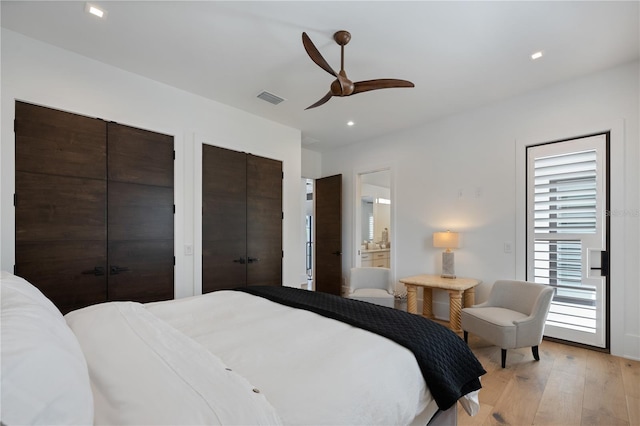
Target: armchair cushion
[
  {"x": 371, "y": 292},
  {"x": 497, "y": 325},
  {"x": 374, "y": 295}
]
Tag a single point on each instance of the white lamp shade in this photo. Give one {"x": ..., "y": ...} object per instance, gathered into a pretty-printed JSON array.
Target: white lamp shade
[{"x": 448, "y": 240}]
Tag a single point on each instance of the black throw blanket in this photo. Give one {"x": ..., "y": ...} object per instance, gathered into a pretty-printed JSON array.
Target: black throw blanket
[{"x": 449, "y": 367}]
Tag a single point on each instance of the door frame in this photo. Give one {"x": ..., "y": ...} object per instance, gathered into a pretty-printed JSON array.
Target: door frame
[
  {"x": 615, "y": 332},
  {"x": 603, "y": 171}
]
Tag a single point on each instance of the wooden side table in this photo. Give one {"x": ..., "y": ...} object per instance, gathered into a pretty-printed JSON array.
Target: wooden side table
[{"x": 458, "y": 288}]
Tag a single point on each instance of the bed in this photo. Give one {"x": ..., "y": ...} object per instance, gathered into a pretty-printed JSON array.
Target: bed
[{"x": 228, "y": 357}]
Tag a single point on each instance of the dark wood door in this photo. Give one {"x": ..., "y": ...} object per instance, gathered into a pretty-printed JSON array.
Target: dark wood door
[
  {"x": 140, "y": 214},
  {"x": 328, "y": 216},
  {"x": 241, "y": 220},
  {"x": 92, "y": 227},
  {"x": 264, "y": 221},
  {"x": 224, "y": 218},
  {"x": 61, "y": 205}
]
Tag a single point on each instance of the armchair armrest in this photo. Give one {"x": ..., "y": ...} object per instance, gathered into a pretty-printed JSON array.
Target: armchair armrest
[{"x": 529, "y": 330}]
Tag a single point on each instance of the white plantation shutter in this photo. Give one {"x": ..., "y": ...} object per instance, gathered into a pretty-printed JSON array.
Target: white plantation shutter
[
  {"x": 558, "y": 263},
  {"x": 565, "y": 193}
]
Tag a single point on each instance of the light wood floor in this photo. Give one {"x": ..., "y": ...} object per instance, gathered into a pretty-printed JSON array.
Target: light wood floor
[{"x": 568, "y": 386}]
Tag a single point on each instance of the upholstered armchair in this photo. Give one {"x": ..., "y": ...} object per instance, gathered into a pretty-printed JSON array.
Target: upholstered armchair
[
  {"x": 371, "y": 285},
  {"x": 512, "y": 317}
]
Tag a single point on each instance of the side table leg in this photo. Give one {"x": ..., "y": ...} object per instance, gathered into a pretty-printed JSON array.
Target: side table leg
[
  {"x": 412, "y": 302},
  {"x": 455, "y": 308},
  {"x": 469, "y": 297},
  {"x": 427, "y": 303}
]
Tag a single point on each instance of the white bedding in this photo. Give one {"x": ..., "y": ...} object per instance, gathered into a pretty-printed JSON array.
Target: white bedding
[
  {"x": 313, "y": 370},
  {"x": 155, "y": 364}
]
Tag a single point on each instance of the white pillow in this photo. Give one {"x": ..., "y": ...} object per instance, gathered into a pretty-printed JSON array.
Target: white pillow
[{"x": 44, "y": 374}]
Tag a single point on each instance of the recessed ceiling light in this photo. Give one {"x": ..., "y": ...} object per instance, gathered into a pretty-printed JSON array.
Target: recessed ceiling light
[
  {"x": 94, "y": 10},
  {"x": 350, "y": 123},
  {"x": 536, "y": 55}
]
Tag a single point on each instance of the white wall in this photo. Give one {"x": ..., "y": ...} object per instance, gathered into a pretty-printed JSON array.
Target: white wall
[
  {"x": 42, "y": 74},
  {"x": 311, "y": 164},
  {"x": 460, "y": 173}
]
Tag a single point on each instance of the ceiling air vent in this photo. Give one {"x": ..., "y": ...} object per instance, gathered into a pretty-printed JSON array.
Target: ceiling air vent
[{"x": 270, "y": 97}]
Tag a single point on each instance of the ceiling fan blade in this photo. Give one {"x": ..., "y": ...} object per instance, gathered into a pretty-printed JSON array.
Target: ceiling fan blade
[
  {"x": 382, "y": 83},
  {"x": 321, "y": 101},
  {"x": 315, "y": 55}
]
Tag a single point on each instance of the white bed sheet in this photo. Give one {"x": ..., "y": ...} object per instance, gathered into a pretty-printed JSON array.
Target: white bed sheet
[
  {"x": 145, "y": 372},
  {"x": 312, "y": 369}
]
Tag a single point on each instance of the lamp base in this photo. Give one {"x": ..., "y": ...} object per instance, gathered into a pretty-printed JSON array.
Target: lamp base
[{"x": 448, "y": 265}]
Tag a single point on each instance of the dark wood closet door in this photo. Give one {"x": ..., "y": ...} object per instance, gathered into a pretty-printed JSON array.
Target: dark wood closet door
[
  {"x": 224, "y": 218},
  {"x": 61, "y": 205},
  {"x": 264, "y": 221},
  {"x": 140, "y": 215},
  {"x": 328, "y": 215}
]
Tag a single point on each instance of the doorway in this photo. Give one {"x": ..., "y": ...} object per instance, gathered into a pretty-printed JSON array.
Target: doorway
[
  {"x": 309, "y": 224},
  {"x": 373, "y": 219},
  {"x": 323, "y": 234},
  {"x": 568, "y": 235}
]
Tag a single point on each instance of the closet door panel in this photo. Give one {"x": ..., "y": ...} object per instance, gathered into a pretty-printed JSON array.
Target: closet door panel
[
  {"x": 220, "y": 269},
  {"x": 59, "y": 208},
  {"x": 140, "y": 156},
  {"x": 141, "y": 270},
  {"x": 140, "y": 212},
  {"x": 267, "y": 270},
  {"x": 224, "y": 217},
  {"x": 61, "y": 204},
  {"x": 141, "y": 215},
  {"x": 59, "y": 143},
  {"x": 65, "y": 271},
  {"x": 264, "y": 221}
]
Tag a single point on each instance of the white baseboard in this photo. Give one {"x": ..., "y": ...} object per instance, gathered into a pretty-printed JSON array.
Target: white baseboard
[{"x": 631, "y": 347}]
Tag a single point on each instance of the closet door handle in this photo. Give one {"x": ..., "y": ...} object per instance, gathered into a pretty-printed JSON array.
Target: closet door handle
[
  {"x": 253, "y": 259},
  {"x": 337, "y": 253},
  {"x": 97, "y": 271},
  {"x": 115, "y": 270},
  {"x": 240, "y": 260}
]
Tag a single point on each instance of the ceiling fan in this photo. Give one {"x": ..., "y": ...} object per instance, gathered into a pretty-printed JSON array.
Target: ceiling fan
[{"x": 342, "y": 86}]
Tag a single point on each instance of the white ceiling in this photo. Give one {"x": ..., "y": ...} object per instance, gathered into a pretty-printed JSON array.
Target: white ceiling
[{"x": 460, "y": 55}]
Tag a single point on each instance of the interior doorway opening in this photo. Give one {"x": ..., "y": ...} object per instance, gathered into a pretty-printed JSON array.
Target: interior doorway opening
[
  {"x": 373, "y": 217},
  {"x": 309, "y": 185}
]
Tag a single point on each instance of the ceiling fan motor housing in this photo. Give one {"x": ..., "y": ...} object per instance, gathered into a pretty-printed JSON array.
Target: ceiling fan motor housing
[{"x": 342, "y": 87}]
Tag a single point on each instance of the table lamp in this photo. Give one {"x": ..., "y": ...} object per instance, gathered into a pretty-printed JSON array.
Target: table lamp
[{"x": 447, "y": 240}]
